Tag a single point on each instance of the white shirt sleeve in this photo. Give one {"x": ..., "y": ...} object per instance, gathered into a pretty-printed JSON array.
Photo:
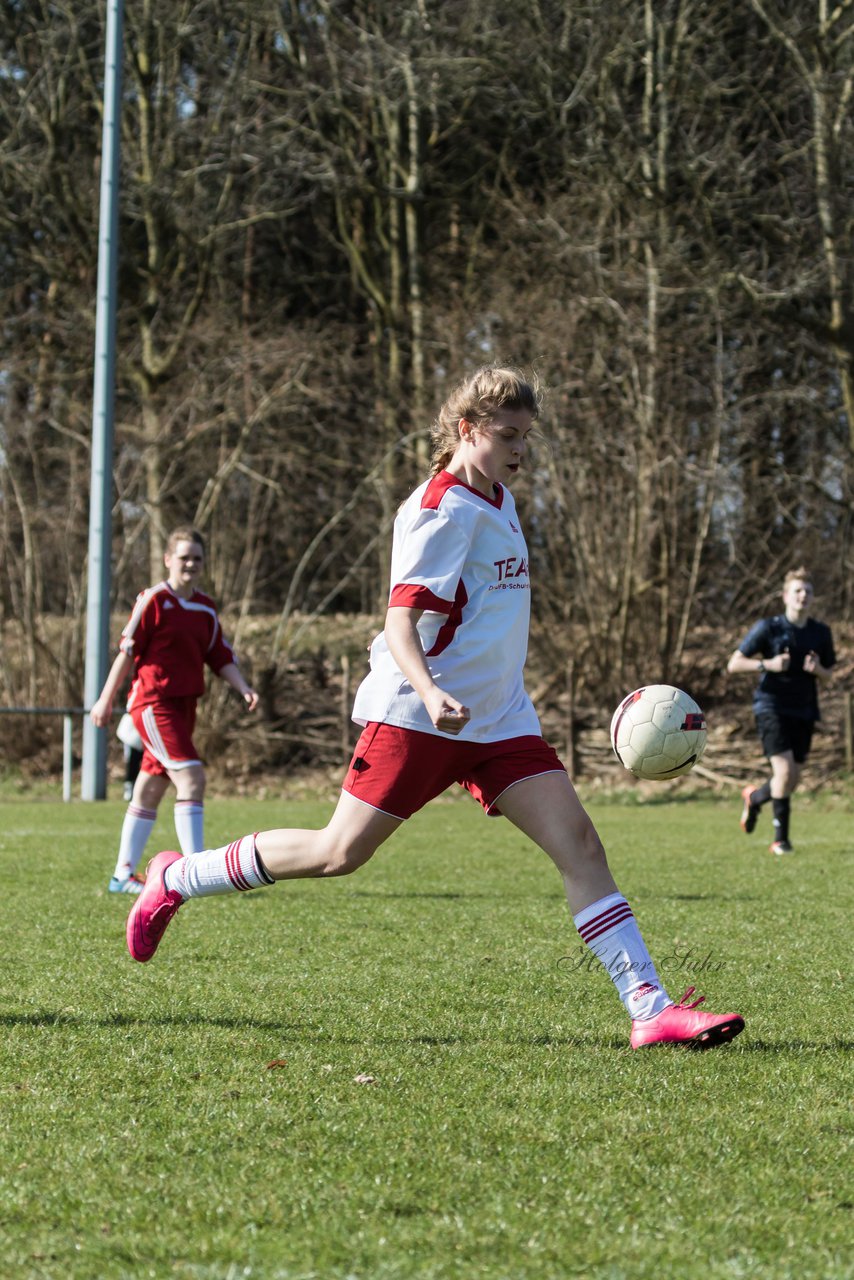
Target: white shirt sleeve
[{"x": 427, "y": 561}]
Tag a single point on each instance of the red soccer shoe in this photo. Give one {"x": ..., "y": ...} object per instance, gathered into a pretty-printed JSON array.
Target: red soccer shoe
[
  {"x": 683, "y": 1024},
  {"x": 750, "y": 812},
  {"x": 153, "y": 909}
]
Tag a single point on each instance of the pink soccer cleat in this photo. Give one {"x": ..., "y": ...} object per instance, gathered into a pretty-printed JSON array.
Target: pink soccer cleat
[
  {"x": 153, "y": 909},
  {"x": 750, "y": 812},
  {"x": 683, "y": 1024}
]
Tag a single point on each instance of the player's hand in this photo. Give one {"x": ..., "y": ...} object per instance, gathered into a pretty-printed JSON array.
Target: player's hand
[
  {"x": 100, "y": 713},
  {"x": 780, "y": 663},
  {"x": 448, "y": 715},
  {"x": 811, "y": 662},
  {"x": 453, "y": 719},
  {"x": 250, "y": 697}
]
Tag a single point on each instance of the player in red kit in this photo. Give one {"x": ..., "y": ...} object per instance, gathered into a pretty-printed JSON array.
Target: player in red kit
[
  {"x": 173, "y": 633},
  {"x": 445, "y": 702}
]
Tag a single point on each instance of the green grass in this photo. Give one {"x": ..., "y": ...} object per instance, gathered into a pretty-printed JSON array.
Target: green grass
[{"x": 509, "y": 1132}]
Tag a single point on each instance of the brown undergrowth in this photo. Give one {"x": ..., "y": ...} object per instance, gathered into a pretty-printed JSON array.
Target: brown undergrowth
[{"x": 301, "y": 736}]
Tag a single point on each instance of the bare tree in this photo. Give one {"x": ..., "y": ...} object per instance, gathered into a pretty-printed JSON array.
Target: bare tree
[{"x": 329, "y": 211}]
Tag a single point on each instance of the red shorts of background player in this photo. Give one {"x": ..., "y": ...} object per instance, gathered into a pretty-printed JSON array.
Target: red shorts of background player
[
  {"x": 166, "y": 728},
  {"x": 399, "y": 770}
]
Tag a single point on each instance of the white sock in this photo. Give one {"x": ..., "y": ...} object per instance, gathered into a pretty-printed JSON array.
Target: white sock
[
  {"x": 235, "y": 867},
  {"x": 136, "y": 829},
  {"x": 190, "y": 825},
  {"x": 609, "y": 930}
]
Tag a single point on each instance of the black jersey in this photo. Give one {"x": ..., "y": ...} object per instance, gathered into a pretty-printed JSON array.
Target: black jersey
[{"x": 793, "y": 692}]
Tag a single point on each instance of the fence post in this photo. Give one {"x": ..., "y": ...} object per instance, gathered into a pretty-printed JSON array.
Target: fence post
[
  {"x": 346, "y": 727},
  {"x": 67, "y": 756}
]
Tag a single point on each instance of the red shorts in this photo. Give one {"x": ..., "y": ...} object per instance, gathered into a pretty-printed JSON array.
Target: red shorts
[
  {"x": 166, "y": 729},
  {"x": 399, "y": 770}
]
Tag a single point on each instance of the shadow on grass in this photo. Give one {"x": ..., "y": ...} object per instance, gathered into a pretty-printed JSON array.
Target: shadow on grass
[
  {"x": 500, "y": 895},
  {"x": 451, "y": 897},
  {"x": 294, "y": 1033},
  {"x": 795, "y": 1046},
  {"x": 700, "y": 897},
  {"x": 297, "y": 1032},
  {"x": 47, "y": 1019}
]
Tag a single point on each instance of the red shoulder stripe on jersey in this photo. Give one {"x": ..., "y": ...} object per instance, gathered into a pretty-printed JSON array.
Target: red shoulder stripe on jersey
[
  {"x": 443, "y": 481},
  {"x": 448, "y": 629},
  {"x": 409, "y": 595}
]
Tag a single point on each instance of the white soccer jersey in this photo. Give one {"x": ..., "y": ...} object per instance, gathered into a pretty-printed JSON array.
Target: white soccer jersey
[{"x": 462, "y": 558}]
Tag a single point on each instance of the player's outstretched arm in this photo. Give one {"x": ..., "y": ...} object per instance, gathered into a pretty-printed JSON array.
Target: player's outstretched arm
[
  {"x": 232, "y": 675},
  {"x": 401, "y": 633},
  {"x": 103, "y": 708}
]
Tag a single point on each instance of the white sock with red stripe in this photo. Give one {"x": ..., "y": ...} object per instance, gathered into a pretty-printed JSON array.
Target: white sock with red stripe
[
  {"x": 136, "y": 829},
  {"x": 190, "y": 825},
  {"x": 610, "y": 931},
  {"x": 234, "y": 868}
]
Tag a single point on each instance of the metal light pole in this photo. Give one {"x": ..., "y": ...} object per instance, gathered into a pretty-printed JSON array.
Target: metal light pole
[{"x": 94, "y": 782}]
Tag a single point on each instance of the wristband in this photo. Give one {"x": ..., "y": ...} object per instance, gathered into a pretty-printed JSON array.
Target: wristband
[{"x": 761, "y": 667}]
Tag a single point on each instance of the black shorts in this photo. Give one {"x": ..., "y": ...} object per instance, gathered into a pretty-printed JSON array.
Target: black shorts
[{"x": 779, "y": 734}]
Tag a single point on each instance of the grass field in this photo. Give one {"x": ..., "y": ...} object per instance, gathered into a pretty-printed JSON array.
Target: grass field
[{"x": 208, "y": 1116}]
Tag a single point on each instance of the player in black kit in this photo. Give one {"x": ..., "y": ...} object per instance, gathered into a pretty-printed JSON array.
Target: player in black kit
[{"x": 791, "y": 652}]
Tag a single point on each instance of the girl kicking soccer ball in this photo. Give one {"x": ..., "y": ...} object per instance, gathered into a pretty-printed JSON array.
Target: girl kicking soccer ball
[{"x": 445, "y": 702}]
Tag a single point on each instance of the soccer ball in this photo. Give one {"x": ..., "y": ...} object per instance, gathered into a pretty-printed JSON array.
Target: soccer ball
[{"x": 658, "y": 732}]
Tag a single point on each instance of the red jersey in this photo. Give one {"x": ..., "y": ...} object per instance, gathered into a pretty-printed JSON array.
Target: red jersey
[{"x": 170, "y": 641}]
